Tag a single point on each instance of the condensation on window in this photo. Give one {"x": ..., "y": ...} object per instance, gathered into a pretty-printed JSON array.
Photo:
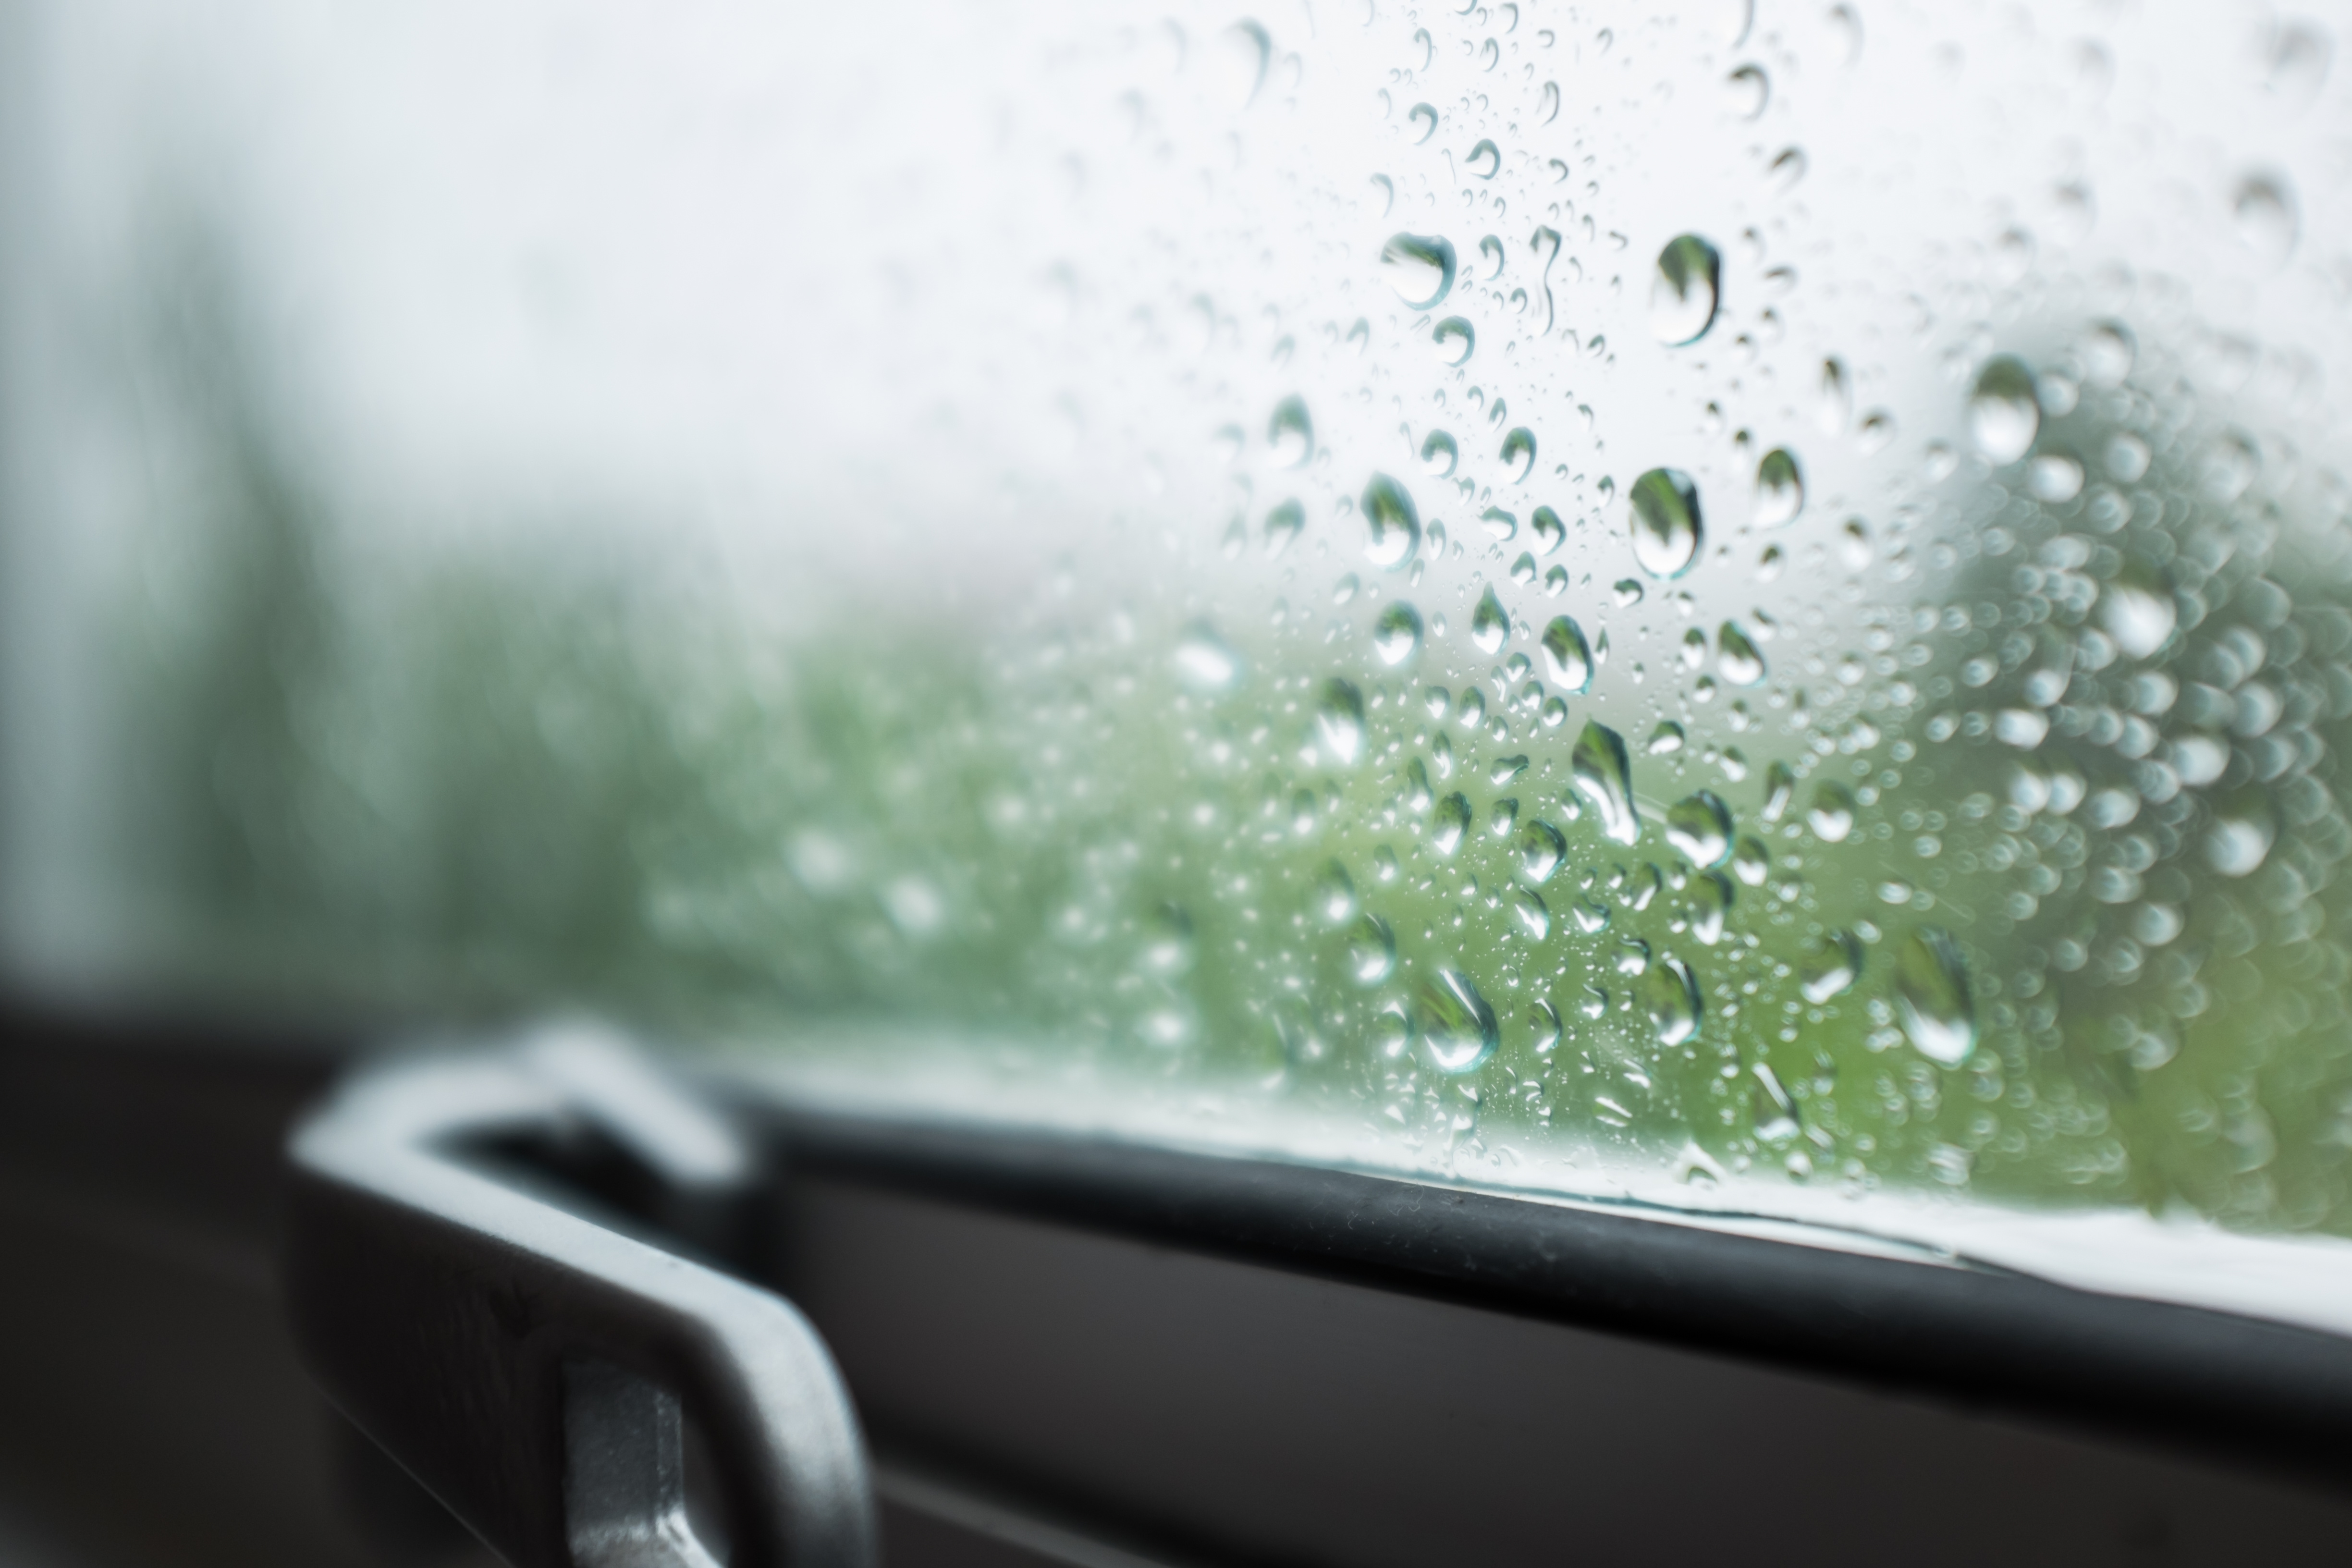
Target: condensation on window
[{"x": 1742, "y": 608}]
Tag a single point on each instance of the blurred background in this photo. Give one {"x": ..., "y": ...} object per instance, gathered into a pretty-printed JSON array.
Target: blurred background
[{"x": 1740, "y": 607}]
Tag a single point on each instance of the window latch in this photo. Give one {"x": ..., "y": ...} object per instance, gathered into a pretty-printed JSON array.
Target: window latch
[{"x": 534, "y": 1368}]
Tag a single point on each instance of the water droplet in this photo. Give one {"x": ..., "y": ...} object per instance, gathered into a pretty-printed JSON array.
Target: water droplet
[
  {"x": 1241, "y": 57},
  {"x": 1769, "y": 1107},
  {"x": 1458, "y": 1032},
  {"x": 1551, "y": 533},
  {"x": 1205, "y": 662},
  {"x": 2054, "y": 477},
  {"x": 1593, "y": 1003},
  {"x": 1371, "y": 951},
  {"x": 1831, "y": 816},
  {"x": 1548, "y": 104},
  {"x": 1490, "y": 250},
  {"x": 1601, "y": 771},
  {"x": 1168, "y": 948},
  {"x": 1780, "y": 786},
  {"x": 1455, "y": 338},
  {"x": 2003, "y": 417},
  {"x": 1419, "y": 267},
  {"x": 1699, "y": 826},
  {"x": 1668, "y": 529},
  {"x": 2128, "y": 458},
  {"x": 1853, "y": 543},
  {"x": 1541, "y": 848},
  {"x": 1520, "y": 454},
  {"x": 2108, "y": 351},
  {"x": 1931, "y": 997},
  {"x": 1633, "y": 957},
  {"x": 1528, "y": 907},
  {"x": 1737, "y": 656},
  {"x": 1339, "y": 722},
  {"x": 1627, "y": 591},
  {"x": 1333, "y": 899},
  {"x": 1666, "y": 738},
  {"x": 1747, "y": 90},
  {"x": 1439, "y": 453},
  {"x": 1685, "y": 289},
  {"x": 1780, "y": 489},
  {"x": 1670, "y": 997},
  {"x": 2137, "y": 610},
  {"x": 1543, "y": 1026},
  {"x": 1783, "y": 173},
  {"x": 1710, "y": 905},
  {"x": 1393, "y": 521},
  {"x": 2267, "y": 221},
  {"x": 1282, "y": 525},
  {"x": 1490, "y": 624},
  {"x": 1451, "y": 824},
  {"x": 1396, "y": 635},
  {"x": 1831, "y": 964},
  {"x": 1836, "y": 405},
  {"x": 1290, "y": 434},
  {"x": 2025, "y": 728},
  {"x": 1485, "y": 160},
  {"x": 1751, "y": 862},
  {"x": 1590, "y": 915},
  {"x": 1422, "y": 118},
  {"x": 2241, "y": 833},
  {"x": 1568, "y": 656},
  {"x": 1501, "y": 526}
]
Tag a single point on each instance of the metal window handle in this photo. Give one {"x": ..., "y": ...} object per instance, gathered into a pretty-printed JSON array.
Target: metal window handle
[{"x": 531, "y": 1367}]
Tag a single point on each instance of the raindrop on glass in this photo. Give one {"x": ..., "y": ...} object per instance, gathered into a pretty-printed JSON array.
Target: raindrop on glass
[
  {"x": 2265, "y": 212},
  {"x": 1520, "y": 454},
  {"x": 1334, "y": 900},
  {"x": 1668, "y": 530},
  {"x": 1528, "y": 909},
  {"x": 2240, "y": 836},
  {"x": 1685, "y": 291},
  {"x": 1396, "y": 635},
  {"x": 1541, "y": 848},
  {"x": 1419, "y": 267},
  {"x": 1371, "y": 951},
  {"x": 1455, "y": 338},
  {"x": 2137, "y": 610},
  {"x": 1830, "y": 964},
  {"x": 1780, "y": 489},
  {"x": 2003, "y": 417},
  {"x": 1439, "y": 453},
  {"x": 1747, "y": 90},
  {"x": 1394, "y": 524},
  {"x": 1457, "y": 1028},
  {"x": 1737, "y": 656},
  {"x": 1490, "y": 624},
  {"x": 1601, "y": 771},
  {"x": 1670, "y": 997},
  {"x": 1451, "y": 824},
  {"x": 1699, "y": 826},
  {"x": 1568, "y": 656},
  {"x": 1205, "y": 662},
  {"x": 1931, "y": 996},
  {"x": 1290, "y": 434},
  {"x": 1339, "y": 722},
  {"x": 1831, "y": 817}
]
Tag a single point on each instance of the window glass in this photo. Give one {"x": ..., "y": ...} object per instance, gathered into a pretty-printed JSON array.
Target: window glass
[{"x": 1737, "y": 608}]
